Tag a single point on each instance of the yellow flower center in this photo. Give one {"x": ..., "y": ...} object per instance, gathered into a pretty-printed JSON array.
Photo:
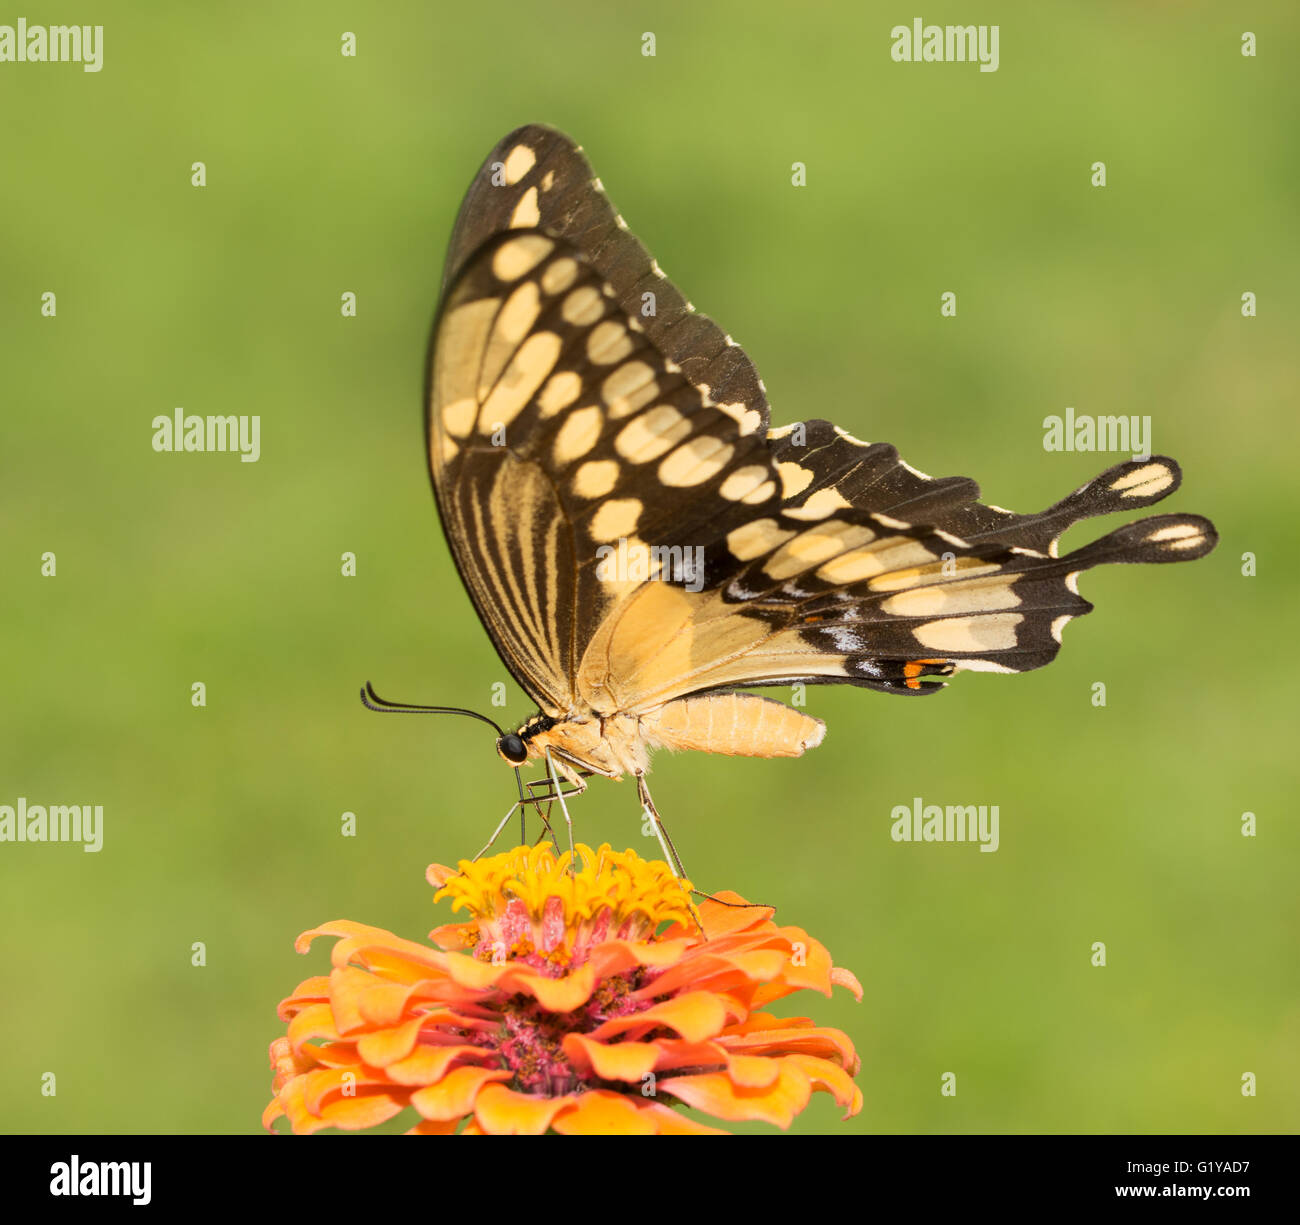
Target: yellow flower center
[{"x": 627, "y": 896}]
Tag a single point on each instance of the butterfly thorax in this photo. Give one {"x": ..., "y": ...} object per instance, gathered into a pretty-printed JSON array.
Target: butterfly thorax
[{"x": 611, "y": 745}]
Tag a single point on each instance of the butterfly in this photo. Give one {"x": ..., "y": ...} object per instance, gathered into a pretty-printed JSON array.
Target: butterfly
[{"x": 642, "y": 547}]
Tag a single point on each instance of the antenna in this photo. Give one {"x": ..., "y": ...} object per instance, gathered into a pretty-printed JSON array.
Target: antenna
[{"x": 372, "y": 701}]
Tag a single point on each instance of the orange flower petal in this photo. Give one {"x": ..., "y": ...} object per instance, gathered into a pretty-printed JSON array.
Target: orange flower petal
[
  {"x": 310, "y": 991},
  {"x": 846, "y": 978},
  {"x": 314, "y": 1021},
  {"x": 427, "y": 1064},
  {"x": 823, "y": 1043},
  {"x": 618, "y": 956},
  {"x": 715, "y": 1093},
  {"x": 553, "y": 994},
  {"x": 322, "y": 1084},
  {"x": 670, "y": 1122},
  {"x": 696, "y": 1015},
  {"x": 753, "y": 1071},
  {"x": 503, "y": 1112},
  {"x": 454, "y": 1094},
  {"x": 285, "y": 1063},
  {"x": 437, "y": 875},
  {"x": 600, "y": 1112},
  {"x": 386, "y": 1046},
  {"x": 719, "y": 920},
  {"x": 834, "y": 1079},
  {"x": 629, "y": 1061},
  {"x": 308, "y": 1112},
  {"x": 339, "y": 927},
  {"x": 348, "y": 987},
  {"x": 675, "y": 1053},
  {"x": 375, "y": 948},
  {"x": 433, "y": 1127}
]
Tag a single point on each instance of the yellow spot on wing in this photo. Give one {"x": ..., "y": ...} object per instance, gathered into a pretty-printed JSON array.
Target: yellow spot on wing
[
  {"x": 1145, "y": 481},
  {"x": 891, "y": 554},
  {"x": 595, "y": 478},
  {"x": 628, "y": 388},
  {"x": 696, "y": 461},
  {"x": 933, "y": 572},
  {"x": 794, "y": 479},
  {"x": 531, "y": 364},
  {"x": 519, "y": 161},
  {"x": 609, "y": 342},
  {"x": 462, "y": 336},
  {"x": 971, "y": 596},
  {"x": 583, "y": 306},
  {"x": 559, "y": 275},
  {"x": 752, "y": 540},
  {"x": 822, "y": 504},
  {"x": 520, "y": 312},
  {"x": 1178, "y": 535},
  {"x": 578, "y": 434},
  {"x": 616, "y": 518},
  {"x": 995, "y": 632},
  {"x": 520, "y": 255},
  {"x": 651, "y": 434},
  {"x": 526, "y": 214},
  {"x": 560, "y": 391},
  {"x": 458, "y": 417},
  {"x": 814, "y": 546},
  {"x": 741, "y": 483},
  {"x": 749, "y": 419}
]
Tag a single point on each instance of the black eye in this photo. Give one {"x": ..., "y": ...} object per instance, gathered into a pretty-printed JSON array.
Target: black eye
[{"x": 513, "y": 749}]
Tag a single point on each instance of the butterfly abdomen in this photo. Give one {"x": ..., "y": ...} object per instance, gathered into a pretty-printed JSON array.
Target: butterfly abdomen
[{"x": 737, "y": 724}]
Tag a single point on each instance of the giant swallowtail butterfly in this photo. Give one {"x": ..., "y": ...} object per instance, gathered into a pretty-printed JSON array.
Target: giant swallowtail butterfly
[{"x": 641, "y": 546}]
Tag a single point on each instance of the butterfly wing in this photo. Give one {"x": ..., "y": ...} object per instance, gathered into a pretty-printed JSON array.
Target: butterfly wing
[
  {"x": 631, "y": 532},
  {"x": 562, "y": 361},
  {"x": 848, "y": 595}
]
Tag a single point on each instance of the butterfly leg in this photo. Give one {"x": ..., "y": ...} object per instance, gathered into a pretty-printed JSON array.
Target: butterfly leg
[
  {"x": 665, "y": 842},
  {"x": 579, "y": 787},
  {"x": 549, "y": 795},
  {"x": 497, "y": 832},
  {"x": 671, "y": 857},
  {"x": 544, "y": 815}
]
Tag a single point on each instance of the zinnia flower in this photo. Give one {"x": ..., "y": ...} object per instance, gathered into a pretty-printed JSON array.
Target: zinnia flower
[{"x": 562, "y": 1006}]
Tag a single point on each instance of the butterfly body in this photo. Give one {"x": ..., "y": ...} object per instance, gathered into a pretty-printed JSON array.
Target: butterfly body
[
  {"x": 735, "y": 724},
  {"x": 640, "y": 545}
]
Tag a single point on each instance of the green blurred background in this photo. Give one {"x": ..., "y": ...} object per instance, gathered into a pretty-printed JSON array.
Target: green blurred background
[{"x": 329, "y": 174}]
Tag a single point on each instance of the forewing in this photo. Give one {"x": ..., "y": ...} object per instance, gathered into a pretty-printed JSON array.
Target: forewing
[{"x": 577, "y": 405}]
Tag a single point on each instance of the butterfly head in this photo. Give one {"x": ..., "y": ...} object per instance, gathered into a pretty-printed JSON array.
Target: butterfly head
[
  {"x": 515, "y": 748},
  {"x": 512, "y": 749}
]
